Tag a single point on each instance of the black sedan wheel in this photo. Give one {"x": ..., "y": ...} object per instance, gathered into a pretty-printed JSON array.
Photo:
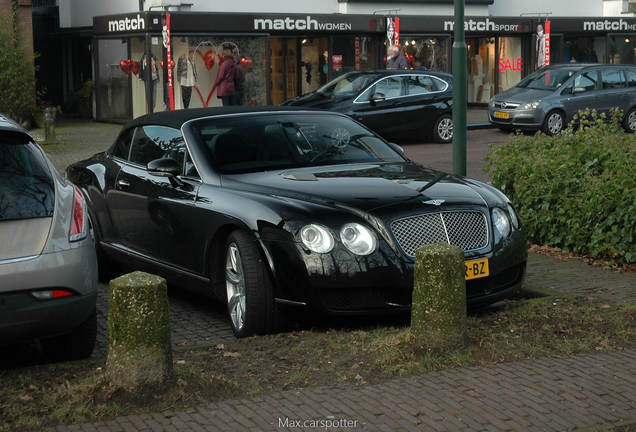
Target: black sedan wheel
[
  {"x": 553, "y": 123},
  {"x": 443, "y": 129},
  {"x": 250, "y": 299},
  {"x": 629, "y": 123}
]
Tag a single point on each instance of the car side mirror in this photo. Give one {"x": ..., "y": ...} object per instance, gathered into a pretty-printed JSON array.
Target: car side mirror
[
  {"x": 578, "y": 90},
  {"x": 167, "y": 167},
  {"x": 378, "y": 96}
]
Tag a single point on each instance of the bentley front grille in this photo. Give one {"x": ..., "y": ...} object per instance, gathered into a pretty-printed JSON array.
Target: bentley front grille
[{"x": 465, "y": 229}]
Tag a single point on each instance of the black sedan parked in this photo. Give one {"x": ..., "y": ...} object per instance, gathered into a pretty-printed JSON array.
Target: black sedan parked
[
  {"x": 396, "y": 104},
  {"x": 290, "y": 212}
]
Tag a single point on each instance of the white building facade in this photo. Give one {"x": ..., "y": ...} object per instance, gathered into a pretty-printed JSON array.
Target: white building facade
[{"x": 291, "y": 47}]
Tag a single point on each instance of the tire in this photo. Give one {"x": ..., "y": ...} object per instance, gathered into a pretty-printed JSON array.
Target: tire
[
  {"x": 249, "y": 294},
  {"x": 629, "y": 122},
  {"x": 553, "y": 124},
  {"x": 76, "y": 345},
  {"x": 443, "y": 129}
]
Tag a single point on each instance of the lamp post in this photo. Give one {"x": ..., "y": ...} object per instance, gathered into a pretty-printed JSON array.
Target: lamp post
[{"x": 459, "y": 92}]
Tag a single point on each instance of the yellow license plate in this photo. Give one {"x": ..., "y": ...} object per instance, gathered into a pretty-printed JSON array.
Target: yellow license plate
[
  {"x": 476, "y": 269},
  {"x": 501, "y": 115}
]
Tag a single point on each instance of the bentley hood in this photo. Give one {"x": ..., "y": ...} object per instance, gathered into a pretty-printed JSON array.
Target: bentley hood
[{"x": 368, "y": 187}]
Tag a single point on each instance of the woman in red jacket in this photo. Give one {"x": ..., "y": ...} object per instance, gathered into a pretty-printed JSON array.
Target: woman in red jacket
[{"x": 228, "y": 72}]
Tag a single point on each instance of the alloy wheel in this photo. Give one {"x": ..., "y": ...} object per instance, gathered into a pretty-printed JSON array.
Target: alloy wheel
[{"x": 235, "y": 286}]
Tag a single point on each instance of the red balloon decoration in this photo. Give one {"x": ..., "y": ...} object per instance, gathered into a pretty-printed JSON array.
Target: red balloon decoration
[
  {"x": 247, "y": 64},
  {"x": 126, "y": 66},
  {"x": 135, "y": 67},
  {"x": 209, "y": 61}
]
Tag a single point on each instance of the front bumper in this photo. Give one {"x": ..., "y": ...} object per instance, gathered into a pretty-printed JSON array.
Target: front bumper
[
  {"x": 518, "y": 119},
  {"x": 342, "y": 284}
]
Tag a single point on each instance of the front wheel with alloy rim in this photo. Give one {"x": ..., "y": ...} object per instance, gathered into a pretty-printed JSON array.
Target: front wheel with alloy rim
[
  {"x": 554, "y": 123},
  {"x": 629, "y": 122},
  {"x": 249, "y": 293},
  {"x": 443, "y": 129}
]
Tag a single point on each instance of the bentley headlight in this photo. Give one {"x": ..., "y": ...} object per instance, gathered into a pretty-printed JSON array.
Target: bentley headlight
[
  {"x": 501, "y": 221},
  {"x": 317, "y": 238},
  {"x": 358, "y": 239},
  {"x": 513, "y": 216},
  {"x": 531, "y": 105}
]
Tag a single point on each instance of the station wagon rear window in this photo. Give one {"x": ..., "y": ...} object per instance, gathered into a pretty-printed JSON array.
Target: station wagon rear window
[{"x": 27, "y": 189}]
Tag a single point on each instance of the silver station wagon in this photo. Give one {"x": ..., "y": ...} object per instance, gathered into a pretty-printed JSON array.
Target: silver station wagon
[
  {"x": 549, "y": 98},
  {"x": 48, "y": 266}
]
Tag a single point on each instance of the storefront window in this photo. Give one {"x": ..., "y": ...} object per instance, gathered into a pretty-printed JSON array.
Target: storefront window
[
  {"x": 197, "y": 61},
  {"x": 354, "y": 53},
  {"x": 426, "y": 51},
  {"x": 509, "y": 63},
  {"x": 314, "y": 63},
  {"x": 114, "y": 76},
  {"x": 623, "y": 49},
  {"x": 481, "y": 69},
  {"x": 585, "y": 49}
]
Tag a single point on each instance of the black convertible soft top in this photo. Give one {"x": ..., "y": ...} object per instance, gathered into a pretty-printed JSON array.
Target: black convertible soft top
[{"x": 177, "y": 118}]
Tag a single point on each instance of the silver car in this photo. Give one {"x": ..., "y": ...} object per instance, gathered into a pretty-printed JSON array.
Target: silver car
[
  {"x": 549, "y": 98},
  {"x": 48, "y": 267}
]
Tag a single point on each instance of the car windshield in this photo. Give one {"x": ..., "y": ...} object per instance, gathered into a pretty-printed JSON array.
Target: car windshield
[
  {"x": 347, "y": 85},
  {"x": 547, "y": 79},
  {"x": 282, "y": 141},
  {"x": 26, "y": 184}
]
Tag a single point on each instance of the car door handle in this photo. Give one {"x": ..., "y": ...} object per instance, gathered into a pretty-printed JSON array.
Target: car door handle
[{"x": 121, "y": 184}]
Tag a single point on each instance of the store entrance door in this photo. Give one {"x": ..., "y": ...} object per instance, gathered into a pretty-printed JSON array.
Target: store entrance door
[
  {"x": 284, "y": 61},
  {"x": 299, "y": 65}
]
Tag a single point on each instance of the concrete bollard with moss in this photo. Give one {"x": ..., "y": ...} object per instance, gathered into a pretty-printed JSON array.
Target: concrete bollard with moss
[
  {"x": 139, "y": 351},
  {"x": 438, "y": 316}
]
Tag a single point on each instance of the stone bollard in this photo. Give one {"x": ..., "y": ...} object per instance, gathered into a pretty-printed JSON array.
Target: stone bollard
[
  {"x": 438, "y": 316},
  {"x": 49, "y": 128},
  {"x": 139, "y": 350}
]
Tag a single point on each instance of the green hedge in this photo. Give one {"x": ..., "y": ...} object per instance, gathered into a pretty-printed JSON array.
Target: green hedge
[{"x": 576, "y": 190}]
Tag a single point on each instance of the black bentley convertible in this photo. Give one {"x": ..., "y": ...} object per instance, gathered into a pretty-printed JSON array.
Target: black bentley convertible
[{"x": 282, "y": 211}]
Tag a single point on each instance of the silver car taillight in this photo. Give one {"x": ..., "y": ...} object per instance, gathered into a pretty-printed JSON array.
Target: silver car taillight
[
  {"x": 49, "y": 295},
  {"x": 79, "y": 229}
]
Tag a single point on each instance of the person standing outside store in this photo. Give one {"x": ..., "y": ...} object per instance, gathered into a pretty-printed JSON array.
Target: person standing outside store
[
  {"x": 224, "y": 83},
  {"x": 396, "y": 59},
  {"x": 239, "y": 83}
]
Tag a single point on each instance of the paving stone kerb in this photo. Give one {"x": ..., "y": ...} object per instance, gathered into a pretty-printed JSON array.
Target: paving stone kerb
[{"x": 584, "y": 393}]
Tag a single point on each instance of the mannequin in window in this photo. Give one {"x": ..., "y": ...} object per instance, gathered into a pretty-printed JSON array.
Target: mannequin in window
[
  {"x": 187, "y": 77},
  {"x": 154, "y": 74}
]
